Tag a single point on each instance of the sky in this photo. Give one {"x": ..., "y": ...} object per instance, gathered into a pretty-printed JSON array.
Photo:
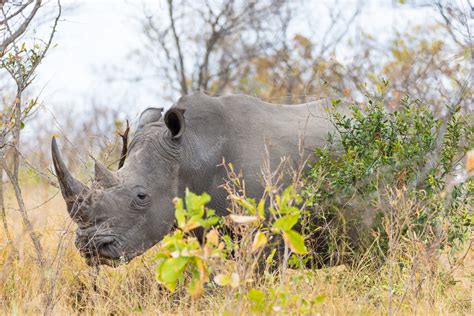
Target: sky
[
  {"x": 92, "y": 35},
  {"x": 95, "y": 38}
]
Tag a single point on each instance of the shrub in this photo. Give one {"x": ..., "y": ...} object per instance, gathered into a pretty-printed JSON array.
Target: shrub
[
  {"x": 381, "y": 154},
  {"x": 183, "y": 259}
]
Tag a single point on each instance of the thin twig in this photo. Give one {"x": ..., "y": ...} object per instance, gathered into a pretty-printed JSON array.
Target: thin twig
[
  {"x": 21, "y": 29},
  {"x": 124, "y": 137}
]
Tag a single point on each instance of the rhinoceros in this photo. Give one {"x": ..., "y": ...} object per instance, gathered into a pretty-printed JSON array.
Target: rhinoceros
[{"x": 131, "y": 209}]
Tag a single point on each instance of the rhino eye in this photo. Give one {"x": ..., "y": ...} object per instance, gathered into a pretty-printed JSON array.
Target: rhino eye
[{"x": 142, "y": 200}]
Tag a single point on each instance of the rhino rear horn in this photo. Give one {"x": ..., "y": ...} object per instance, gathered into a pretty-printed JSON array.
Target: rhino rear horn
[
  {"x": 104, "y": 176},
  {"x": 71, "y": 188}
]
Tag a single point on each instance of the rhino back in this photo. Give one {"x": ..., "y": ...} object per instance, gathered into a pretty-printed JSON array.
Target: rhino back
[{"x": 242, "y": 129}]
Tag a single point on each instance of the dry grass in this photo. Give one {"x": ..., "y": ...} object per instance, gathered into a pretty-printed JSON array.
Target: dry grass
[{"x": 72, "y": 287}]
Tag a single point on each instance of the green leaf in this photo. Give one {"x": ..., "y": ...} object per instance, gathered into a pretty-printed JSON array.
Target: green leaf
[
  {"x": 318, "y": 299},
  {"x": 195, "y": 203},
  {"x": 193, "y": 223},
  {"x": 256, "y": 296},
  {"x": 270, "y": 257},
  {"x": 259, "y": 241},
  {"x": 222, "y": 279},
  {"x": 295, "y": 241},
  {"x": 248, "y": 204},
  {"x": 285, "y": 223},
  {"x": 288, "y": 193},
  {"x": 209, "y": 222},
  {"x": 261, "y": 208},
  {"x": 335, "y": 102},
  {"x": 180, "y": 213},
  {"x": 171, "y": 270}
]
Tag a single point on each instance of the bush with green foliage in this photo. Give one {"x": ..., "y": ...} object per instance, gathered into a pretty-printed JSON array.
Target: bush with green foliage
[
  {"x": 184, "y": 259},
  {"x": 380, "y": 152}
]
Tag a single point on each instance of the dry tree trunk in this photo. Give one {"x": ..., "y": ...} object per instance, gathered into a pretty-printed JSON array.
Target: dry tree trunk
[
  {"x": 21, "y": 69},
  {"x": 3, "y": 213},
  {"x": 13, "y": 176}
]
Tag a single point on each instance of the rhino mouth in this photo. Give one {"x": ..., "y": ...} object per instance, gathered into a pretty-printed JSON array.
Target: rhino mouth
[
  {"x": 97, "y": 261},
  {"x": 109, "y": 254},
  {"x": 101, "y": 250}
]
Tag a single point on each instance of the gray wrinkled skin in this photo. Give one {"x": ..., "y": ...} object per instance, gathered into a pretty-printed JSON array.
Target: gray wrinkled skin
[{"x": 132, "y": 209}]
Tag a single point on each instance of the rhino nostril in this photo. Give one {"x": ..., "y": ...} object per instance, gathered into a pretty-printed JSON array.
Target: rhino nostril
[
  {"x": 91, "y": 247},
  {"x": 109, "y": 250}
]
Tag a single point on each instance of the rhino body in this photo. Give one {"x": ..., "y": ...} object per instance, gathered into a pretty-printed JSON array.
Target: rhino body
[{"x": 131, "y": 210}]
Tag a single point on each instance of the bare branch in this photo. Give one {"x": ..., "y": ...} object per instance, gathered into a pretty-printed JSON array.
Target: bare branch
[
  {"x": 17, "y": 12},
  {"x": 449, "y": 27},
  {"x": 28, "y": 79},
  {"x": 21, "y": 204},
  {"x": 182, "y": 73},
  {"x": 21, "y": 29}
]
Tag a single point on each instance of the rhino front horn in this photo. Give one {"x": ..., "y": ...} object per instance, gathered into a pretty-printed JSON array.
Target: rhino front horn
[
  {"x": 71, "y": 188},
  {"x": 104, "y": 176}
]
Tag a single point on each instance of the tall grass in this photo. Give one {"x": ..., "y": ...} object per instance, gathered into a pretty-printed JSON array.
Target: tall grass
[{"x": 74, "y": 288}]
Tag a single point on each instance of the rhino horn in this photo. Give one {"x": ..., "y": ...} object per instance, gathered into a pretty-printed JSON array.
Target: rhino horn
[
  {"x": 104, "y": 176},
  {"x": 71, "y": 188}
]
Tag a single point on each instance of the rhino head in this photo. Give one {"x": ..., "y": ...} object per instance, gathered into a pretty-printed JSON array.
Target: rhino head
[{"x": 126, "y": 212}]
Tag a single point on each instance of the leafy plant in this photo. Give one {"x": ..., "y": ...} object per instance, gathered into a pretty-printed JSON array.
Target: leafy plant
[
  {"x": 182, "y": 254},
  {"x": 281, "y": 299},
  {"x": 182, "y": 258},
  {"x": 381, "y": 151}
]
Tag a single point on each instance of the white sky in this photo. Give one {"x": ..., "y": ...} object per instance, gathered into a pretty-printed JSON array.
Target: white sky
[
  {"x": 91, "y": 35},
  {"x": 100, "y": 33}
]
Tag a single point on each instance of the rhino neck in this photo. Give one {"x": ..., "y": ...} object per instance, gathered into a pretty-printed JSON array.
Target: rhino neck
[{"x": 199, "y": 168}]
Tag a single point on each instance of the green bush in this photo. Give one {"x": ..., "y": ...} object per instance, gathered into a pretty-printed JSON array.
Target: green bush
[
  {"x": 381, "y": 152},
  {"x": 183, "y": 259}
]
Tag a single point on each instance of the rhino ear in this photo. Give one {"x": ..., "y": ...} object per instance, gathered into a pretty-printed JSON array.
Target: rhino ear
[
  {"x": 148, "y": 116},
  {"x": 174, "y": 120}
]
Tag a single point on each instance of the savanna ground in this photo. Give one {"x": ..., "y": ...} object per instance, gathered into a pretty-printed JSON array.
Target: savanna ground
[{"x": 439, "y": 285}]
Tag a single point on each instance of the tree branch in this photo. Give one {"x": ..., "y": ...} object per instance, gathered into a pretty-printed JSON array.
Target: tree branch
[
  {"x": 21, "y": 29},
  {"x": 182, "y": 73}
]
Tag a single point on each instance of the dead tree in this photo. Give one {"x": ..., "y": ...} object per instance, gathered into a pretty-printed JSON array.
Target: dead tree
[
  {"x": 20, "y": 63},
  {"x": 202, "y": 46}
]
